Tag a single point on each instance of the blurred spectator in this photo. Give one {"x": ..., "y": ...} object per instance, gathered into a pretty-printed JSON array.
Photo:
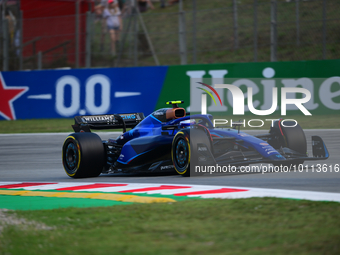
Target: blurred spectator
[
  {"x": 121, "y": 5},
  {"x": 99, "y": 11},
  {"x": 125, "y": 7},
  {"x": 162, "y": 3},
  {"x": 114, "y": 23},
  {"x": 17, "y": 42},
  {"x": 11, "y": 21},
  {"x": 144, "y": 4},
  {"x": 171, "y": 2}
]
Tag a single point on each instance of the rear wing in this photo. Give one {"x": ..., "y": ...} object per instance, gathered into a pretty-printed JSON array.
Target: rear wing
[{"x": 110, "y": 121}]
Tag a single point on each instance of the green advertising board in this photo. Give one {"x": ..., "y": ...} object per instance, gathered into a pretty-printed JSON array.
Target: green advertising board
[{"x": 320, "y": 78}]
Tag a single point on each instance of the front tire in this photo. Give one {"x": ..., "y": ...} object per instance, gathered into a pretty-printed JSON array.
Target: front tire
[
  {"x": 83, "y": 155},
  {"x": 181, "y": 153},
  {"x": 184, "y": 149},
  {"x": 292, "y": 137}
]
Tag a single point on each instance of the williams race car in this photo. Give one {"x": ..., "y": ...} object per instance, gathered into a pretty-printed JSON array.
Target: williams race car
[{"x": 172, "y": 140}]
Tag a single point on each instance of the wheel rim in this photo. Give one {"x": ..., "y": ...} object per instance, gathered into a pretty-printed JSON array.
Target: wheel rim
[
  {"x": 182, "y": 154},
  {"x": 71, "y": 158}
]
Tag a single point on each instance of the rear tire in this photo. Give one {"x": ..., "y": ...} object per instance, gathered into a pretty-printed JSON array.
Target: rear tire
[{"x": 83, "y": 155}]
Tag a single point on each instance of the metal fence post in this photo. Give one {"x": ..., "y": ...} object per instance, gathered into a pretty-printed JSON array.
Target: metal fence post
[
  {"x": 135, "y": 45},
  {"x": 126, "y": 36},
  {"x": 147, "y": 37},
  {"x": 273, "y": 37},
  {"x": 255, "y": 30},
  {"x": 194, "y": 49},
  {"x": 39, "y": 60},
  {"x": 5, "y": 44},
  {"x": 324, "y": 19},
  {"x": 2, "y": 18},
  {"x": 235, "y": 24},
  {"x": 88, "y": 38},
  {"x": 77, "y": 33},
  {"x": 182, "y": 40},
  {"x": 297, "y": 22},
  {"x": 21, "y": 48}
]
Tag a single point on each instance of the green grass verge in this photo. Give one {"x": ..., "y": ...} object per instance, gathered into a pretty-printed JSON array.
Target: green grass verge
[
  {"x": 213, "y": 226},
  {"x": 36, "y": 126},
  {"x": 64, "y": 125}
]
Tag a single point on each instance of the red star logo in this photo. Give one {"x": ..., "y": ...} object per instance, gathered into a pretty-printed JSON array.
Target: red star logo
[{"x": 7, "y": 96}]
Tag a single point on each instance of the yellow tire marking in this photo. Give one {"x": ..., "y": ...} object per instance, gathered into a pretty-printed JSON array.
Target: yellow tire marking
[
  {"x": 101, "y": 196},
  {"x": 36, "y": 193},
  {"x": 172, "y": 157},
  {"x": 13, "y": 192},
  {"x": 78, "y": 147}
]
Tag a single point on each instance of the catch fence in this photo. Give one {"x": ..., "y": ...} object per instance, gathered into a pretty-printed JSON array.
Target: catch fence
[{"x": 190, "y": 32}]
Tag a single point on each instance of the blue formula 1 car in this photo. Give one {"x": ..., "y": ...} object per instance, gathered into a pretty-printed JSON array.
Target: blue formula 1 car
[{"x": 172, "y": 140}]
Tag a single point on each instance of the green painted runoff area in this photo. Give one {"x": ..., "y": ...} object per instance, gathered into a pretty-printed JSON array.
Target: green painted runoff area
[
  {"x": 15, "y": 202},
  {"x": 42, "y": 203}
]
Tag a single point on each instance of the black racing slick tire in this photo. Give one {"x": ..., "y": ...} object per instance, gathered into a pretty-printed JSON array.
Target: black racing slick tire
[
  {"x": 291, "y": 135},
  {"x": 294, "y": 137},
  {"x": 83, "y": 155},
  {"x": 184, "y": 149}
]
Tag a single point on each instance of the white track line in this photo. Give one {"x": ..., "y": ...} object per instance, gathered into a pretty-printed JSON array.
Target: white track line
[{"x": 250, "y": 192}]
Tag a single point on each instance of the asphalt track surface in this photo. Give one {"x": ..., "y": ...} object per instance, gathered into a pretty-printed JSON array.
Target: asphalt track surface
[{"x": 37, "y": 158}]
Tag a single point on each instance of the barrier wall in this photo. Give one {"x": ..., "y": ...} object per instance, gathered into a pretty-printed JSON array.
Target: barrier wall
[{"x": 67, "y": 93}]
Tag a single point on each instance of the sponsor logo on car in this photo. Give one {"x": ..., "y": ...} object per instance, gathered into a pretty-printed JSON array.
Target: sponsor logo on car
[
  {"x": 202, "y": 159},
  {"x": 128, "y": 117},
  {"x": 97, "y": 118},
  {"x": 167, "y": 167},
  {"x": 158, "y": 113}
]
